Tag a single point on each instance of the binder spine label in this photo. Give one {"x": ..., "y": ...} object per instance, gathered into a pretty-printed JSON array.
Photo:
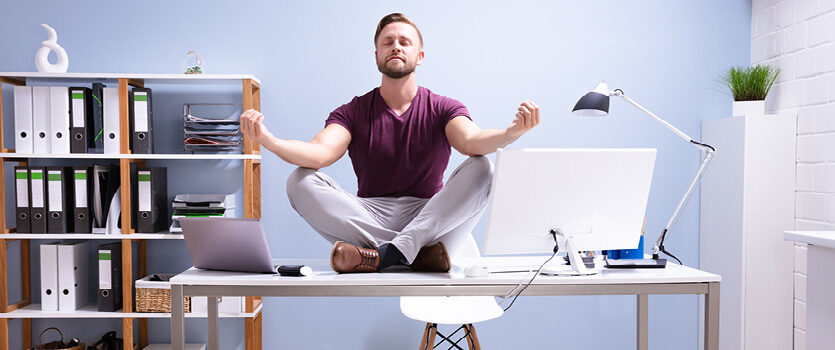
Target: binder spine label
[
  {"x": 81, "y": 189},
  {"x": 22, "y": 188},
  {"x": 55, "y": 190},
  {"x": 140, "y": 104},
  {"x": 37, "y": 188},
  {"x": 144, "y": 189},
  {"x": 78, "y": 111},
  {"x": 104, "y": 270}
]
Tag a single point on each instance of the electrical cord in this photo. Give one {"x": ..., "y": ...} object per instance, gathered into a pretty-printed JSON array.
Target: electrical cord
[
  {"x": 556, "y": 249},
  {"x": 661, "y": 248}
]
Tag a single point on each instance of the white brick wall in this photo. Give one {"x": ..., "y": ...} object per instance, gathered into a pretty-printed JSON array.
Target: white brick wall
[{"x": 798, "y": 37}]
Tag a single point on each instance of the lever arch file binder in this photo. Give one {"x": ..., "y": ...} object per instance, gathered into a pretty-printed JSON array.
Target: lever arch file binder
[
  {"x": 83, "y": 193},
  {"x": 110, "y": 123},
  {"x": 141, "y": 121},
  {"x": 110, "y": 277},
  {"x": 59, "y": 119},
  {"x": 73, "y": 275},
  {"x": 58, "y": 194},
  {"x": 22, "y": 215},
  {"x": 49, "y": 277},
  {"x": 81, "y": 119},
  {"x": 23, "y": 119},
  {"x": 38, "y": 193}
]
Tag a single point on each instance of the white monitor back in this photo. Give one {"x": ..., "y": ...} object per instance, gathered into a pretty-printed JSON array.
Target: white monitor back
[{"x": 598, "y": 196}]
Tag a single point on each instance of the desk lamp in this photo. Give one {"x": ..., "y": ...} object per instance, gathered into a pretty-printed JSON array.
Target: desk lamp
[{"x": 596, "y": 104}]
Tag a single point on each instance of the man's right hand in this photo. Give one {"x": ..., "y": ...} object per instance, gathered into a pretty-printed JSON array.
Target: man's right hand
[{"x": 253, "y": 127}]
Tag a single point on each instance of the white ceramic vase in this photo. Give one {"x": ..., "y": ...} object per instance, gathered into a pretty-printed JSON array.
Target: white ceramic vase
[
  {"x": 42, "y": 56},
  {"x": 741, "y": 108}
]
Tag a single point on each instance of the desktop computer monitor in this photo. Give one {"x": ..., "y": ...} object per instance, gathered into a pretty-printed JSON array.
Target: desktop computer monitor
[{"x": 592, "y": 199}]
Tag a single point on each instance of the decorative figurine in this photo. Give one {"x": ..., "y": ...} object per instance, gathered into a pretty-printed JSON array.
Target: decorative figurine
[{"x": 42, "y": 56}]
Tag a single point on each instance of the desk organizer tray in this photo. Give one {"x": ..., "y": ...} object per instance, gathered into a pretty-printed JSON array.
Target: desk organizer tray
[{"x": 216, "y": 130}]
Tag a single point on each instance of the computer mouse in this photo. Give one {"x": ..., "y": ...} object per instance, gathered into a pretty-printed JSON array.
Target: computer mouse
[{"x": 475, "y": 271}]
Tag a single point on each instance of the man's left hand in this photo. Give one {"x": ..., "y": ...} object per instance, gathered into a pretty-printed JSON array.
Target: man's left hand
[{"x": 526, "y": 119}]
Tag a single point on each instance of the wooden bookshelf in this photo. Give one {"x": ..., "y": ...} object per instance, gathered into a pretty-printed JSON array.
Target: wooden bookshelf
[{"x": 251, "y": 159}]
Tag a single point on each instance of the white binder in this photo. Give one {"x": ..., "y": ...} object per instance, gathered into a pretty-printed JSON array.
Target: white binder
[
  {"x": 110, "y": 124},
  {"x": 73, "y": 276},
  {"x": 59, "y": 119},
  {"x": 40, "y": 119},
  {"x": 49, "y": 277},
  {"x": 23, "y": 119}
]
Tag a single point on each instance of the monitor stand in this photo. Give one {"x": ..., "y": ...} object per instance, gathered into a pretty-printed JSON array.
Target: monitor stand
[{"x": 576, "y": 266}]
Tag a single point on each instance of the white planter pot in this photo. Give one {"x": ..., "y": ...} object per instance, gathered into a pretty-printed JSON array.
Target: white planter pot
[{"x": 741, "y": 108}]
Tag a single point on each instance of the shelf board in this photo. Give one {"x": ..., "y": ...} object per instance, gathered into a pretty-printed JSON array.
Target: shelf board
[
  {"x": 89, "y": 311},
  {"x": 223, "y": 156},
  {"x": 149, "y": 78},
  {"x": 161, "y": 235}
]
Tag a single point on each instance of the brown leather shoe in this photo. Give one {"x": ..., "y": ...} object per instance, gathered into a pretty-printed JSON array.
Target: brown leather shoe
[
  {"x": 346, "y": 258},
  {"x": 432, "y": 258}
]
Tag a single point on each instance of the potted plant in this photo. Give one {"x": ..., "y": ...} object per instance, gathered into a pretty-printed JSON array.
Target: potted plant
[{"x": 749, "y": 86}]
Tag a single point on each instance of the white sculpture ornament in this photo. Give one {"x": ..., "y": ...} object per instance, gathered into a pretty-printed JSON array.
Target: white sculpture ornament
[{"x": 42, "y": 56}]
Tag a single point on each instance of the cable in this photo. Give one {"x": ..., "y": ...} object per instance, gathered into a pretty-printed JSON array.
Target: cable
[
  {"x": 556, "y": 249},
  {"x": 661, "y": 248}
]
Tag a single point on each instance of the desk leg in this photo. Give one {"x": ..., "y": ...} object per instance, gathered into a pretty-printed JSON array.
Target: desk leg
[
  {"x": 643, "y": 321},
  {"x": 177, "y": 318},
  {"x": 213, "y": 339},
  {"x": 712, "y": 317}
]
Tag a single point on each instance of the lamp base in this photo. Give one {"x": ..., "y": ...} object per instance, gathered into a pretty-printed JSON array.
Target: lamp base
[{"x": 636, "y": 263}]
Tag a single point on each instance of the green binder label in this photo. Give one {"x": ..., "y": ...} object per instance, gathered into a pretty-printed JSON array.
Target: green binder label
[
  {"x": 20, "y": 175},
  {"x": 82, "y": 175},
  {"x": 53, "y": 177},
  {"x": 104, "y": 256},
  {"x": 138, "y": 97},
  {"x": 77, "y": 95},
  {"x": 37, "y": 175},
  {"x": 144, "y": 177}
]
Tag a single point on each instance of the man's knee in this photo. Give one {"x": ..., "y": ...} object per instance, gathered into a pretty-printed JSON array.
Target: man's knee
[
  {"x": 480, "y": 169},
  {"x": 298, "y": 180}
]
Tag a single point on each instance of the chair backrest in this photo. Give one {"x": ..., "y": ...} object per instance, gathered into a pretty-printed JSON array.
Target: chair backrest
[{"x": 463, "y": 246}]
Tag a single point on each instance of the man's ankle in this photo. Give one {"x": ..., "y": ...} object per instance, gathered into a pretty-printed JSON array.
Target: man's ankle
[{"x": 390, "y": 255}]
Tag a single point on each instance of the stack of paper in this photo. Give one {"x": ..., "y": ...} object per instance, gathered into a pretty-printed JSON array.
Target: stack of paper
[{"x": 201, "y": 205}]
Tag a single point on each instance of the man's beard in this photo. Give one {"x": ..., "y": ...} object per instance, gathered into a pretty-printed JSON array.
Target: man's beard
[{"x": 395, "y": 72}]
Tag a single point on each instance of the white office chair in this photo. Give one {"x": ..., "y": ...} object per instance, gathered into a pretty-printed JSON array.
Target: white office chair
[{"x": 460, "y": 310}]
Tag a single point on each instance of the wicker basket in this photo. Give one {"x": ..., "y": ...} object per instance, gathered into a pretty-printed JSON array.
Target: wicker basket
[{"x": 155, "y": 296}]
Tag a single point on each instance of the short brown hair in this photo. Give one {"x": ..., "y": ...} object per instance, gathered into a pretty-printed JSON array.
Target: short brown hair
[{"x": 395, "y": 17}]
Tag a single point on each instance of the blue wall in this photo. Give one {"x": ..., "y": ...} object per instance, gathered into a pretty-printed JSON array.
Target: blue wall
[{"x": 314, "y": 56}]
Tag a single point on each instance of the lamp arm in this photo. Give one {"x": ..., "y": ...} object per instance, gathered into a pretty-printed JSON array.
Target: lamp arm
[
  {"x": 709, "y": 153},
  {"x": 678, "y": 132},
  {"x": 659, "y": 243}
]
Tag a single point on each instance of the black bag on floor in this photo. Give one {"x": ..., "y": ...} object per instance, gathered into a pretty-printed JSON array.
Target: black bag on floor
[{"x": 107, "y": 342}]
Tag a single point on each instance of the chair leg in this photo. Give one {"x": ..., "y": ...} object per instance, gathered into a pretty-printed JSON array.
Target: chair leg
[
  {"x": 472, "y": 337},
  {"x": 427, "y": 341}
]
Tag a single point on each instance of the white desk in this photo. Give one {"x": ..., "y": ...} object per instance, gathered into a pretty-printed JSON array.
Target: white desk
[
  {"x": 674, "y": 279},
  {"x": 820, "y": 286}
]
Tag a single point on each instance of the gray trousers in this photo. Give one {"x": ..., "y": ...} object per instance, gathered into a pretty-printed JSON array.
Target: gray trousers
[{"x": 408, "y": 223}]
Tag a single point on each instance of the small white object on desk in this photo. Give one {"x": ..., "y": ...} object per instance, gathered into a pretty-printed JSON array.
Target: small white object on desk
[{"x": 475, "y": 271}]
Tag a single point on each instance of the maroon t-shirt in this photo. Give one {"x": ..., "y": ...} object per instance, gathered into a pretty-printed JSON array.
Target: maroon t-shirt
[{"x": 395, "y": 156}]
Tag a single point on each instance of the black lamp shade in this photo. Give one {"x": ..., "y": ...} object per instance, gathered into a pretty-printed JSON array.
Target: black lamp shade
[{"x": 593, "y": 104}]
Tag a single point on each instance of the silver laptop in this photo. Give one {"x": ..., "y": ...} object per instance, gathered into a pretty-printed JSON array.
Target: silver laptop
[{"x": 229, "y": 244}]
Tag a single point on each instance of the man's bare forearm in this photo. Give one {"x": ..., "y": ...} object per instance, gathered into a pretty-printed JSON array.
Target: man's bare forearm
[
  {"x": 301, "y": 153},
  {"x": 487, "y": 141}
]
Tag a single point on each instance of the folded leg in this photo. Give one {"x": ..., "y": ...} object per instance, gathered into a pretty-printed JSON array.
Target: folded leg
[
  {"x": 453, "y": 211},
  {"x": 334, "y": 213}
]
